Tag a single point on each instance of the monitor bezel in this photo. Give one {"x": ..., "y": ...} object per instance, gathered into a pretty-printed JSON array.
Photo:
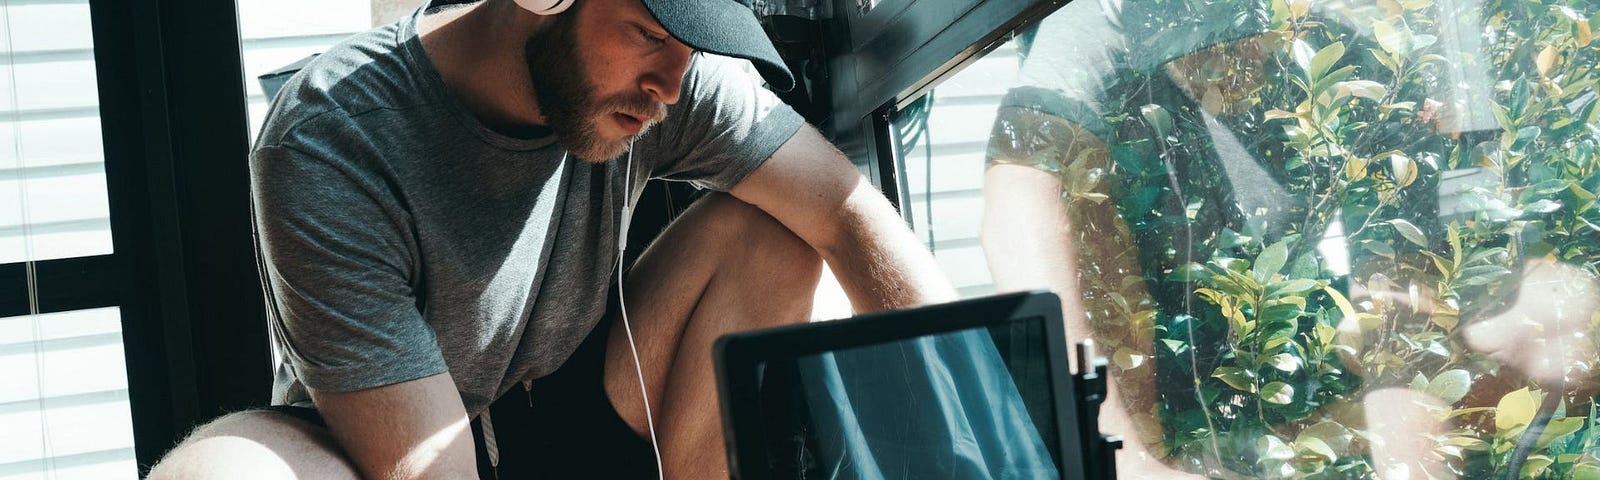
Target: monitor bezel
[{"x": 738, "y": 357}]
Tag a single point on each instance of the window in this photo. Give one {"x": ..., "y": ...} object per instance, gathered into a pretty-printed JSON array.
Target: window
[
  {"x": 1326, "y": 239},
  {"x": 276, "y": 33},
  {"x": 64, "y": 403}
]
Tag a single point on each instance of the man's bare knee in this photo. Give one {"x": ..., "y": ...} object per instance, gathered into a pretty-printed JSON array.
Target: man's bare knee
[
  {"x": 258, "y": 444},
  {"x": 765, "y": 240}
]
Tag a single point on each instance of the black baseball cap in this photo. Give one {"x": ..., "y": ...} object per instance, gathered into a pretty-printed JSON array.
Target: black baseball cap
[{"x": 723, "y": 27}]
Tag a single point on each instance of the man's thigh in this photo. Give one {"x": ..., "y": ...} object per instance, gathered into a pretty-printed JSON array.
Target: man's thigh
[
  {"x": 722, "y": 266},
  {"x": 255, "y": 444}
]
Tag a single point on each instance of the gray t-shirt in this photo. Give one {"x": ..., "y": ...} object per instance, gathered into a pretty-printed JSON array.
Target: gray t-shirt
[{"x": 402, "y": 238}]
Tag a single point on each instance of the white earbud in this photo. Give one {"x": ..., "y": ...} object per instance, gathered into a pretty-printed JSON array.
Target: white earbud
[{"x": 546, "y": 7}]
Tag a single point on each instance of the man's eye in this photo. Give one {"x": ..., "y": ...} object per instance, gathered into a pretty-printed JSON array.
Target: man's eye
[{"x": 651, "y": 38}]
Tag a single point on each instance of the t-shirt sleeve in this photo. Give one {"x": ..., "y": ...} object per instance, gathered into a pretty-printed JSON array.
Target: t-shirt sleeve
[
  {"x": 723, "y": 127},
  {"x": 1061, "y": 87},
  {"x": 338, "y": 253}
]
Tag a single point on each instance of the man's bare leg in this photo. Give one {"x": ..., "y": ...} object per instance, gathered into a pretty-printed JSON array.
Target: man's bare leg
[
  {"x": 257, "y": 444},
  {"x": 723, "y": 266}
]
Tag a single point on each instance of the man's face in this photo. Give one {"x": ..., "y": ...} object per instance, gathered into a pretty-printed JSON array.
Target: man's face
[{"x": 604, "y": 73}]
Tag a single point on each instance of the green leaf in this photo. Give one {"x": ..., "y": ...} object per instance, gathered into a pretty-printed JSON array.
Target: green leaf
[
  {"x": 1393, "y": 38},
  {"x": 1409, "y": 231},
  {"x": 1316, "y": 447},
  {"x": 1271, "y": 260},
  {"x": 1367, "y": 89},
  {"x": 1332, "y": 434},
  {"x": 1558, "y": 428},
  {"x": 1345, "y": 308},
  {"x": 1419, "y": 383},
  {"x": 1158, "y": 118},
  {"x": 1482, "y": 275},
  {"x": 1325, "y": 59},
  {"x": 1285, "y": 361},
  {"x": 1277, "y": 392},
  {"x": 1292, "y": 287},
  {"x": 1279, "y": 313},
  {"x": 1302, "y": 55},
  {"x": 1238, "y": 378},
  {"x": 1451, "y": 385},
  {"x": 1270, "y": 447},
  {"x": 1586, "y": 472},
  {"x": 1535, "y": 465},
  {"x": 1176, "y": 346}
]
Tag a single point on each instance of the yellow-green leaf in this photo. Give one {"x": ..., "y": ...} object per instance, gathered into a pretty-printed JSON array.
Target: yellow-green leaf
[
  {"x": 1277, "y": 392},
  {"x": 1515, "y": 411},
  {"x": 1325, "y": 59},
  {"x": 1586, "y": 472},
  {"x": 1558, "y": 428},
  {"x": 1127, "y": 359},
  {"x": 1546, "y": 60},
  {"x": 1276, "y": 114},
  {"x": 1268, "y": 446},
  {"x": 1238, "y": 378},
  {"x": 1315, "y": 447},
  {"x": 1355, "y": 168},
  {"x": 1332, "y": 434},
  {"x": 1285, "y": 361},
  {"x": 1345, "y": 308},
  {"x": 1535, "y": 465},
  {"x": 1367, "y": 89},
  {"x": 1393, "y": 38},
  {"x": 1403, "y": 168},
  {"x": 1299, "y": 8}
]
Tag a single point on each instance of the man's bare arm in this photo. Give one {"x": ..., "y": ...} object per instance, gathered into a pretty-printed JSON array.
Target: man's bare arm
[
  {"x": 410, "y": 430},
  {"x": 1030, "y": 242},
  {"x": 814, "y": 191}
]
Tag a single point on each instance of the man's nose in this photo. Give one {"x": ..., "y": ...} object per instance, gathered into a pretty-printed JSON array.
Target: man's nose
[{"x": 664, "y": 81}]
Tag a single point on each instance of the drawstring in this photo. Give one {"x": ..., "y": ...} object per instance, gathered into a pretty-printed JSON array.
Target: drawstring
[
  {"x": 491, "y": 446},
  {"x": 489, "y": 443}
]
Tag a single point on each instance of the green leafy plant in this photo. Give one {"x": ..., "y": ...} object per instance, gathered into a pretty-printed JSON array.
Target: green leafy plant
[{"x": 1269, "y": 351}]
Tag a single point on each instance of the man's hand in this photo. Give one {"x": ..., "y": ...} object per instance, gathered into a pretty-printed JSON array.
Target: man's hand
[
  {"x": 814, "y": 191},
  {"x": 409, "y": 430}
]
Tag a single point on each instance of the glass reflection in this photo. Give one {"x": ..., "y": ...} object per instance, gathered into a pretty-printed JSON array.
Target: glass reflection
[
  {"x": 971, "y": 404},
  {"x": 1324, "y": 239}
]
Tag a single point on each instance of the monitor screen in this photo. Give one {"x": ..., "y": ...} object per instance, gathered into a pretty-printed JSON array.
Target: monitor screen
[{"x": 972, "y": 404}]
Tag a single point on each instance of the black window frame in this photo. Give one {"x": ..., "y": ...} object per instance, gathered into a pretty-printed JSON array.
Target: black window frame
[
  {"x": 893, "y": 54},
  {"x": 183, "y": 272}
]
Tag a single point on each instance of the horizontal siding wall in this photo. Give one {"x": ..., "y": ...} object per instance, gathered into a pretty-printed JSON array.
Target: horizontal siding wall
[{"x": 944, "y": 171}]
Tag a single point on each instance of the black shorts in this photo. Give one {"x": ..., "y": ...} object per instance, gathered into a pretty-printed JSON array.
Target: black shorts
[{"x": 569, "y": 431}]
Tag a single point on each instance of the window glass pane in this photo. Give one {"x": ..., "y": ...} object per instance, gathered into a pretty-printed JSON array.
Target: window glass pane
[
  {"x": 276, "y": 33},
  {"x": 64, "y": 404},
  {"x": 52, "y": 180},
  {"x": 1328, "y": 239}
]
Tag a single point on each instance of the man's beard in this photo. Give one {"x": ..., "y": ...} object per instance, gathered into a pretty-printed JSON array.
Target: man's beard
[{"x": 567, "y": 97}]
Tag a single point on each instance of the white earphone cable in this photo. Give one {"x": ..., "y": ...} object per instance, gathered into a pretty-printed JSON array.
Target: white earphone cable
[{"x": 622, "y": 306}]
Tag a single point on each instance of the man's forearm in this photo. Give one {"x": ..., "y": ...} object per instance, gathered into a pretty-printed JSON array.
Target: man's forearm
[{"x": 878, "y": 260}]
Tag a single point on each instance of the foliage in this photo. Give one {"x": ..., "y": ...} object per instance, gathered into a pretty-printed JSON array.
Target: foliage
[{"x": 1267, "y": 351}]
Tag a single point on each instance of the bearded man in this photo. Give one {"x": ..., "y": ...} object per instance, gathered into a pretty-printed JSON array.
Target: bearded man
[{"x": 439, "y": 205}]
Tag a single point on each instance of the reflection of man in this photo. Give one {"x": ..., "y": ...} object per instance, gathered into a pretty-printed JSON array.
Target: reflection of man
[
  {"x": 1135, "y": 144},
  {"x": 1058, "y": 171},
  {"x": 440, "y": 204}
]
